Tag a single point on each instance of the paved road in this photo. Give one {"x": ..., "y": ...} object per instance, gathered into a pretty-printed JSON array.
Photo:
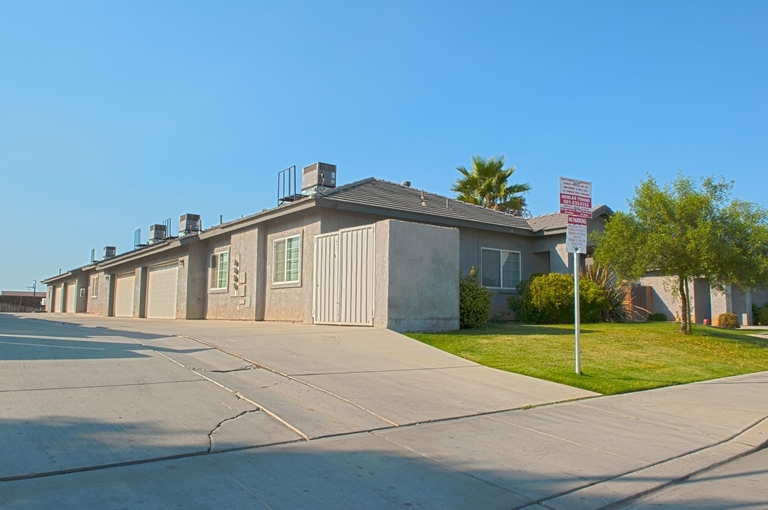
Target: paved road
[{"x": 110, "y": 413}]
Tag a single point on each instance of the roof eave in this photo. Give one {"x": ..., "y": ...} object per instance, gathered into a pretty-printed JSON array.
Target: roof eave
[{"x": 413, "y": 216}]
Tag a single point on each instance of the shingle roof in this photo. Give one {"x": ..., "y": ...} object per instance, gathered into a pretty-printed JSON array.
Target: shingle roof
[
  {"x": 548, "y": 222},
  {"x": 553, "y": 221},
  {"x": 381, "y": 194}
]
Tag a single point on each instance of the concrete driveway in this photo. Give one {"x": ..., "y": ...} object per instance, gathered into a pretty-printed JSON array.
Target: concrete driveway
[{"x": 110, "y": 413}]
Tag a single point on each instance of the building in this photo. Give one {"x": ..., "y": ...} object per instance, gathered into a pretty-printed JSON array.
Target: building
[{"x": 367, "y": 253}]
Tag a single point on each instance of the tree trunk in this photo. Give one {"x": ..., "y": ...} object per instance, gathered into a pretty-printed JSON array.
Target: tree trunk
[{"x": 683, "y": 305}]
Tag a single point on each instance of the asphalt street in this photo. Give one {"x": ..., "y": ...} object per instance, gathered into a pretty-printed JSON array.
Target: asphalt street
[{"x": 132, "y": 413}]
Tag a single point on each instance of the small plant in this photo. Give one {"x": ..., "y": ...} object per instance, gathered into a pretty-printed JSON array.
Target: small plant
[
  {"x": 616, "y": 308},
  {"x": 474, "y": 302},
  {"x": 657, "y": 317},
  {"x": 728, "y": 320},
  {"x": 762, "y": 316}
]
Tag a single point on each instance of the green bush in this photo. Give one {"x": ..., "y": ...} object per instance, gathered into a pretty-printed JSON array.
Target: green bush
[
  {"x": 548, "y": 299},
  {"x": 658, "y": 317},
  {"x": 616, "y": 309},
  {"x": 728, "y": 320},
  {"x": 762, "y": 317},
  {"x": 474, "y": 301}
]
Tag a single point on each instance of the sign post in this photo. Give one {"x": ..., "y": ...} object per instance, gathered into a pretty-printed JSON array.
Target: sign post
[{"x": 576, "y": 202}]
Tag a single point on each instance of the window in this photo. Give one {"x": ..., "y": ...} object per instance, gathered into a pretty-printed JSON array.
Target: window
[
  {"x": 95, "y": 286},
  {"x": 286, "y": 260},
  {"x": 219, "y": 270},
  {"x": 499, "y": 269}
]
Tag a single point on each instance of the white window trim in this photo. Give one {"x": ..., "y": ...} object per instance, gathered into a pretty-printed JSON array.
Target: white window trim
[
  {"x": 274, "y": 265},
  {"x": 95, "y": 286},
  {"x": 501, "y": 268},
  {"x": 213, "y": 273}
]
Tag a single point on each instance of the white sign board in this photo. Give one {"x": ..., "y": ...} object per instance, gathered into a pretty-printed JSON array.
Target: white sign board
[
  {"x": 576, "y": 235},
  {"x": 575, "y": 198}
]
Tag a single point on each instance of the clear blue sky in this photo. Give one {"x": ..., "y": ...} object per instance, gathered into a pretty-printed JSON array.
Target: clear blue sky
[{"x": 117, "y": 115}]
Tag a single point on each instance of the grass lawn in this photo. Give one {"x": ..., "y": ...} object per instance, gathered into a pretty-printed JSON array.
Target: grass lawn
[{"x": 615, "y": 358}]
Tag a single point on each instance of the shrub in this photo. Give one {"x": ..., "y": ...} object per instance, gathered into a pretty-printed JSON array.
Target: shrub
[
  {"x": 659, "y": 317},
  {"x": 727, "y": 320},
  {"x": 615, "y": 308},
  {"x": 548, "y": 299},
  {"x": 762, "y": 317},
  {"x": 474, "y": 302}
]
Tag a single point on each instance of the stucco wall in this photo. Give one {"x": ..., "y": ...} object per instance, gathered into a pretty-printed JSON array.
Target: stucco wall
[
  {"x": 291, "y": 301},
  {"x": 422, "y": 275},
  {"x": 98, "y": 305},
  {"x": 471, "y": 243},
  {"x": 662, "y": 299},
  {"x": 218, "y": 300}
]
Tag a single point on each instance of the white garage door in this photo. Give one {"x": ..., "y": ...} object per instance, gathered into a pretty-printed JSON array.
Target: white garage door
[
  {"x": 162, "y": 291},
  {"x": 344, "y": 276},
  {"x": 55, "y": 299},
  {"x": 71, "y": 297},
  {"x": 124, "y": 284}
]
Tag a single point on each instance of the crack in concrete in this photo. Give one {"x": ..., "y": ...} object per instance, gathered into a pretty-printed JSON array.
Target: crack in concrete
[
  {"x": 210, "y": 370},
  {"x": 222, "y": 422}
]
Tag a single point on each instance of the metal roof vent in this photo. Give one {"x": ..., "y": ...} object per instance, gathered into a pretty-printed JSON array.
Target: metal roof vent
[
  {"x": 109, "y": 252},
  {"x": 406, "y": 184}
]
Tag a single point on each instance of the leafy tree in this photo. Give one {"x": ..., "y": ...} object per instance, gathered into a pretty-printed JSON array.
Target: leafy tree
[
  {"x": 486, "y": 185},
  {"x": 686, "y": 231}
]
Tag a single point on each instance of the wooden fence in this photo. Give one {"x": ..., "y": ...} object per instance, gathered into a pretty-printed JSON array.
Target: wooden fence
[{"x": 22, "y": 303}]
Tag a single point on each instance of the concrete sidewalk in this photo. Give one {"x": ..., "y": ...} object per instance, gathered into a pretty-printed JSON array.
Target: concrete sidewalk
[{"x": 371, "y": 420}]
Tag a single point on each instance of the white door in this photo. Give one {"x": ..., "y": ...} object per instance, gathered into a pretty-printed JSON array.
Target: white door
[
  {"x": 344, "y": 276},
  {"x": 124, "y": 284},
  {"x": 162, "y": 289},
  {"x": 58, "y": 302},
  {"x": 71, "y": 297},
  {"x": 326, "y": 269}
]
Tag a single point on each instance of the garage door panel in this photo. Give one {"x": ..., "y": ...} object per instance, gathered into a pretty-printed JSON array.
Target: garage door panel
[
  {"x": 162, "y": 291},
  {"x": 55, "y": 299},
  {"x": 71, "y": 294},
  {"x": 124, "y": 286}
]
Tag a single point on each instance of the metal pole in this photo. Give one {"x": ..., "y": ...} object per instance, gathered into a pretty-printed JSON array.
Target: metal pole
[{"x": 577, "y": 318}]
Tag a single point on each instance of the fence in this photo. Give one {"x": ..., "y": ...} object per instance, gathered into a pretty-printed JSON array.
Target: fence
[{"x": 22, "y": 303}]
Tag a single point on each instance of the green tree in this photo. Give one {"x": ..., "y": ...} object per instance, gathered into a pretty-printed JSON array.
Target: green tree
[
  {"x": 686, "y": 231},
  {"x": 486, "y": 184}
]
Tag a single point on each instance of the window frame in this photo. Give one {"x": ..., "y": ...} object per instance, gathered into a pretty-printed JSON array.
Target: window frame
[
  {"x": 285, "y": 264},
  {"x": 500, "y": 251},
  {"x": 214, "y": 272},
  {"x": 94, "y": 286}
]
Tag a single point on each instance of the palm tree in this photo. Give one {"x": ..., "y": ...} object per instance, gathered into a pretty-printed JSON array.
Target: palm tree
[{"x": 486, "y": 185}]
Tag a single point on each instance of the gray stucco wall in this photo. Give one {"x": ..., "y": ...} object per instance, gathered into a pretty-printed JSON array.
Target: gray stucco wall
[
  {"x": 291, "y": 301},
  {"x": 471, "y": 243},
  {"x": 417, "y": 276}
]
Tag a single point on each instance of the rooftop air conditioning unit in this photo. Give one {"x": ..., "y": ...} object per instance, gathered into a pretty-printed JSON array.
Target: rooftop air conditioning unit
[
  {"x": 157, "y": 233},
  {"x": 190, "y": 224},
  {"x": 318, "y": 175},
  {"x": 109, "y": 252}
]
